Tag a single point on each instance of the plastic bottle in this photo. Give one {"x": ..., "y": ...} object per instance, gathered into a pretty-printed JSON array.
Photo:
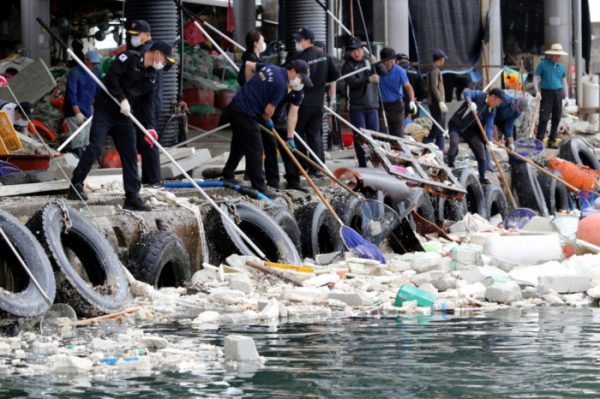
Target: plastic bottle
[{"x": 443, "y": 306}]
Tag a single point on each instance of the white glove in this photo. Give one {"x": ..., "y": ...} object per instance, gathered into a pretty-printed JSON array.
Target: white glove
[
  {"x": 565, "y": 102},
  {"x": 538, "y": 95},
  {"x": 80, "y": 118},
  {"x": 473, "y": 107},
  {"x": 374, "y": 78},
  {"x": 125, "y": 107},
  {"x": 373, "y": 60},
  {"x": 511, "y": 146},
  {"x": 413, "y": 107},
  {"x": 443, "y": 107}
]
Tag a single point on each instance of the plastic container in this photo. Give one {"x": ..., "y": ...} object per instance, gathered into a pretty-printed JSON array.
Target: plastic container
[
  {"x": 348, "y": 139},
  {"x": 199, "y": 96},
  {"x": 342, "y": 272},
  {"x": 409, "y": 293},
  {"x": 206, "y": 122},
  {"x": 29, "y": 162},
  {"x": 591, "y": 98},
  {"x": 9, "y": 139},
  {"x": 223, "y": 99},
  {"x": 443, "y": 306}
]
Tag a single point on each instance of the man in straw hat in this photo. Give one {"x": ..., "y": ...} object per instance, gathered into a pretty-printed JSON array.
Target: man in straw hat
[{"x": 553, "y": 75}]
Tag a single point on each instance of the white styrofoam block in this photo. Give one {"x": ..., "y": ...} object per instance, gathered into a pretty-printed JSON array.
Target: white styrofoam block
[
  {"x": 240, "y": 348},
  {"x": 524, "y": 249}
]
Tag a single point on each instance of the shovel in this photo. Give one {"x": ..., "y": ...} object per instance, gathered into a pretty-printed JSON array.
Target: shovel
[{"x": 355, "y": 243}]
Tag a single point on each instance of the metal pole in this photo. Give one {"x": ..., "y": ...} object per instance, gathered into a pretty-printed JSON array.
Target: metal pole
[
  {"x": 577, "y": 46},
  {"x": 201, "y": 135},
  {"x": 218, "y": 32},
  {"x": 75, "y": 133},
  {"x": 493, "y": 80},
  {"x": 434, "y": 122}
]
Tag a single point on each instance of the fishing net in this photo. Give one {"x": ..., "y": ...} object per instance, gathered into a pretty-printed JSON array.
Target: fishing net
[
  {"x": 202, "y": 109},
  {"x": 51, "y": 117}
]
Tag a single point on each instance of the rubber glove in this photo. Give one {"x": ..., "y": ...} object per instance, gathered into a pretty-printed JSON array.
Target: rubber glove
[
  {"x": 154, "y": 135},
  {"x": 511, "y": 146},
  {"x": 565, "y": 102},
  {"x": 268, "y": 124},
  {"x": 413, "y": 107},
  {"x": 332, "y": 104},
  {"x": 538, "y": 95},
  {"x": 3, "y": 81},
  {"x": 125, "y": 108},
  {"x": 291, "y": 145},
  {"x": 374, "y": 78},
  {"x": 373, "y": 60},
  {"x": 80, "y": 118},
  {"x": 443, "y": 107}
]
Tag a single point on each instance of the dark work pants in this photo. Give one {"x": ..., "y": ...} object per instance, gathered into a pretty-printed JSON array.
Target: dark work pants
[
  {"x": 476, "y": 144},
  {"x": 394, "y": 112},
  {"x": 292, "y": 174},
  {"x": 551, "y": 104},
  {"x": 124, "y": 136},
  {"x": 246, "y": 141},
  {"x": 310, "y": 128},
  {"x": 440, "y": 118},
  {"x": 150, "y": 159},
  {"x": 367, "y": 120}
]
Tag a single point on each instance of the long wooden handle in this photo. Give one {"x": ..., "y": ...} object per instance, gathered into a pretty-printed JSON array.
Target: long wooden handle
[
  {"x": 537, "y": 106},
  {"x": 263, "y": 269},
  {"x": 512, "y": 200},
  {"x": 301, "y": 169},
  {"x": 106, "y": 316}
]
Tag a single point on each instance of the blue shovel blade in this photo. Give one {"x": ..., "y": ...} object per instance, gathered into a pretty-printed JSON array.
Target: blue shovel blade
[
  {"x": 587, "y": 199},
  {"x": 518, "y": 218},
  {"x": 528, "y": 146}
]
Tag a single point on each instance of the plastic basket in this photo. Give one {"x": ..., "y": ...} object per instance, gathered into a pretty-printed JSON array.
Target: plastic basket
[{"x": 10, "y": 140}]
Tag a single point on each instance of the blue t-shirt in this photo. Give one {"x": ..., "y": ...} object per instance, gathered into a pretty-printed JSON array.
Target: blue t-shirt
[
  {"x": 81, "y": 91},
  {"x": 391, "y": 84},
  {"x": 267, "y": 86},
  {"x": 551, "y": 74}
]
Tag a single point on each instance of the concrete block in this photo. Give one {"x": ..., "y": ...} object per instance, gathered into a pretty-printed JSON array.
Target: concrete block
[
  {"x": 31, "y": 84},
  {"x": 480, "y": 273},
  {"x": 397, "y": 265},
  {"x": 107, "y": 172},
  {"x": 241, "y": 282},
  {"x": 240, "y": 348},
  {"x": 351, "y": 298},
  {"x": 426, "y": 262},
  {"x": 67, "y": 163},
  {"x": 344, "y": 154},
  {"x": 564, "y": 284},
  {"x": 170, "y": 171},
  {"x": 327, "y": 259},
  {"x": 321, "y": 280},
  {"x": 99, "y": 210},
  {"x": 177, "y": 153},
  {"x": 503, "y": 293},
  {"x": 466, "y": 259},
  {"x": 26, "y": 177},
  {"x": 215, "y": 162}
]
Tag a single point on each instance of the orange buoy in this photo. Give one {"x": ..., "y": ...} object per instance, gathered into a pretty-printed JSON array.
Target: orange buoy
[
  {"x": 40, "y": 127},
  {"x": 57, "y": 99},
  {"x": 580, "y": 176},
  {"x": 112, "y": 159}
]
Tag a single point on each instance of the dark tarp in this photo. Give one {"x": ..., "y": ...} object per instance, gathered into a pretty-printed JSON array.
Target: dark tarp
[{"x": 452, "y": 26}]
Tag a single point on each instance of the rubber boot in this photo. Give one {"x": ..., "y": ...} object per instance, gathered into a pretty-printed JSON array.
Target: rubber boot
[
  {"x": 481, "y": 167},
  {"x": 451, "y": 160}
]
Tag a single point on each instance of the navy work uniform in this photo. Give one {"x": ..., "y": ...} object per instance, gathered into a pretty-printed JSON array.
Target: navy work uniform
[
  {"x": 246, "y": 109},
  {"x": 129, "y": 79}
]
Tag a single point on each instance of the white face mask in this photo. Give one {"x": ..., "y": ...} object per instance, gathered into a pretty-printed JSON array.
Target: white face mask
[
  {"x": 22, "y": 122},
  {"x": 157, "y": 65},
  {"x": 297, "y": 84},
  {"x": 263, "y": 48},
  {"x": 299, "y": 47},
  {"x": 136, "y": 41}
]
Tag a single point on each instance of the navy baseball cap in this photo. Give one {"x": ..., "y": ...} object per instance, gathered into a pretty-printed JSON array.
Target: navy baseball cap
[
  {"x": 387, "y": 52},
  {"x": 321, "y": 44},
  {"x": 165, "y": 47},
  {"x": 437, "y": 54},
  {"x": 93, "y": 56},
  {"x": 402, "y": 56},
  {"x": 305, "y": 33},
  {"x": 353, "y": 42},
  {"x": 138, "y": 26},
  {"x": 28, "y": 108},
  {"x": 500, "y": 94},
  {"x": 303, "y": 69}
]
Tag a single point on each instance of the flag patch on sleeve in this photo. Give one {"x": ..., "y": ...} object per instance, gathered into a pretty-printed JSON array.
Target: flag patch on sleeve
[{"x": 123, "y": 57}]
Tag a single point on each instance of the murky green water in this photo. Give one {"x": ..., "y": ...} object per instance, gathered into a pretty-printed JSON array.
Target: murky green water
[{"x": 539, "y": 353}]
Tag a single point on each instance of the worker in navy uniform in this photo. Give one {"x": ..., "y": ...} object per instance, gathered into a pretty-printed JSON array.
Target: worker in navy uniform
[
  {"x": 256, "y": 103},
  {"x": 131, "y": 79},
  {"x": 322, "y": 70},
  {"x": 284, "y": 118},
  {"x": 141, "y": 39},
  {"x": 414, "y": 78}
]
